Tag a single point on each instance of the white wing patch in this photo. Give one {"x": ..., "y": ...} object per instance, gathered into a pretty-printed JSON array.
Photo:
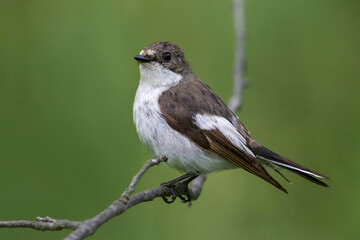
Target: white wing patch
[{"x": 211, "y": 122}]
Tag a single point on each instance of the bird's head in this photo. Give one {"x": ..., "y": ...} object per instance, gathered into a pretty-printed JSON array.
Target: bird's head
[{"x": 162, "y": 56}]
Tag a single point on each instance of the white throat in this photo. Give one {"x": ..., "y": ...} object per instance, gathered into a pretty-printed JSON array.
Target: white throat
[{"x": 155, "y": 75}]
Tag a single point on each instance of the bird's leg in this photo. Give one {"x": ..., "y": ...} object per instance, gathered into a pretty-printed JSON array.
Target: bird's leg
[
  {"x": 173, "y": 184},
  {"x": 186, "y": 183},
  {"x": 177, "y": 180}
]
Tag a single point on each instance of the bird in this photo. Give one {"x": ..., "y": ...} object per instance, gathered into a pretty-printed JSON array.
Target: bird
[{"x": 179, "y": 117}]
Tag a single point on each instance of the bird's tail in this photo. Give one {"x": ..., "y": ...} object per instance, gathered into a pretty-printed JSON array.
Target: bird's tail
[{"x": 271, "y": 159}]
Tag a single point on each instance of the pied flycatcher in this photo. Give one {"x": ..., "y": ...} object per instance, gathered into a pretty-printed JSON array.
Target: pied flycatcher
[{"x": 179, "y": 117}]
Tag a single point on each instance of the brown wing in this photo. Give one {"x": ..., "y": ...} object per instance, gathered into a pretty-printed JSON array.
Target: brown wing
[
  {"x": 223, "y": 147},
  {"x": 179, "y": 110}
]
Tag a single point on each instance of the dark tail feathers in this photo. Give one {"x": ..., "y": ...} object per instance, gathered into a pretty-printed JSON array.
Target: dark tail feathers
[{"x": 271, "y": 157}]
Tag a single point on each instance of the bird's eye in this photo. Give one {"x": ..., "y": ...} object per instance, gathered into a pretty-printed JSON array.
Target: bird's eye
[{"x": 167, "y": 56}]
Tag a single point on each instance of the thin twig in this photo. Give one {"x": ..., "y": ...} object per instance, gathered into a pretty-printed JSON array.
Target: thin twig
[
  {"x": 88, "y": 227},
  {"x": 236, "y": 100},
  {"x": 43, "y": 224}
]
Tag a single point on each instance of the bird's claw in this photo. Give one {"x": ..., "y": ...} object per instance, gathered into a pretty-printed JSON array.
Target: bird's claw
[
  {"x": 172, "y": 187},
  {"x": 186, "y": 198},
  {"x": 182, "y": 183},
  {"x": 173, "y": 195}
]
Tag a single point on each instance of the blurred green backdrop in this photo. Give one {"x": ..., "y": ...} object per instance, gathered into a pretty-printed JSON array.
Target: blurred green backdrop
[{"x": 68, "y": 146}]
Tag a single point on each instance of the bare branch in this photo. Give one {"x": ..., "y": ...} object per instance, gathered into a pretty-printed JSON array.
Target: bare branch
[
  {"x": 119, "y": 206},
  {"x": 43, "y": 224},
  {"x": 88, "y": 227},
  {"x": 236, "y": 100},
  {"x": 126, "y": 201},
  {"x": 147, "y": 165}
]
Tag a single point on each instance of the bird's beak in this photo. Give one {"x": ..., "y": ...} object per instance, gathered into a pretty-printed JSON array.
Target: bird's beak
[{"x": 141, "y": 58}]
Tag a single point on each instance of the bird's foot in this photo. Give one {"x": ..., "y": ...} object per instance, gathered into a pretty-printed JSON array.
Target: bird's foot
[{"x": 179, "y": 184}]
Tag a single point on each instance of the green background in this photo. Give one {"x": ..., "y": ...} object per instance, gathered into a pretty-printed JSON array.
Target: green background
[{"x": 68, "y": 146}]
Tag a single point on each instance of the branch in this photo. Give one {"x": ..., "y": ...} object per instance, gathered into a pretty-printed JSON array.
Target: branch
[
  {"x": 88, "y": 227},
  {"x": 236, "y": 100},
  {"x": 43, "y": 224},
  {"x": 126, "y": 201}
]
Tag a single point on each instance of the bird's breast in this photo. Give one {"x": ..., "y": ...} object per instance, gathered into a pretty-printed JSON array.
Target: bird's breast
[
  {"x": 162, "y": 140},
  {"x": 147, "y": 116}
]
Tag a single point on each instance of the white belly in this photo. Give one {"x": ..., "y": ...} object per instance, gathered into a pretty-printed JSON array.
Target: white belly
[{"x": 162, "y": 140}]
